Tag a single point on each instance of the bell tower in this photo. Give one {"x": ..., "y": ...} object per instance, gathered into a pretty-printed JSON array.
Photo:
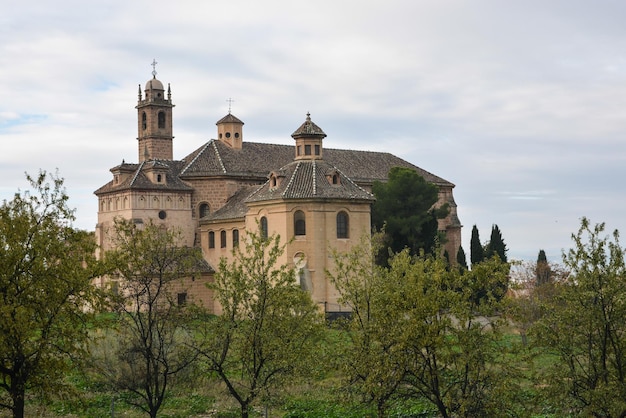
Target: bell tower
[{"x": 154, "y": 120}]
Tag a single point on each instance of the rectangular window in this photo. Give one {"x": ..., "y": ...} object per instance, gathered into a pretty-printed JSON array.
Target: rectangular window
[
  {"x": 182, "y": 298},
  {"x": 317, "y": 149},
  {"x": 223, "y": 239},
  {"x": 307, "y": 150},
  {"x": 211, "y": 239}
]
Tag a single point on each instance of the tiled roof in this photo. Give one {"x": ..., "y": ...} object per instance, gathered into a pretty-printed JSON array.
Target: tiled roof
[
  {"x": 234, "y": 208},
  {"x": 308, "y": 129},
  {"x": 308, "y": 179},
  {"x": 229, "y": 119},
  {"x": 258, "y": 159},
  {"x": 138, "y": 180}
]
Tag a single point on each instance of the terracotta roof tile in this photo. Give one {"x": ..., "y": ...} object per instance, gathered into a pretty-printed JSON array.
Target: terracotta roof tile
[
  {"x": 257, "y": 160},
  {"x": 308, "y": 179}
]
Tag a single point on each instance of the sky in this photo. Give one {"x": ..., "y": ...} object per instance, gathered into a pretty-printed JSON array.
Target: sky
[{"x": 520, "y": 103}]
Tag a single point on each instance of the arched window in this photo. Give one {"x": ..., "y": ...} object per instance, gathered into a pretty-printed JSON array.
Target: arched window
[
  {"x": 299, "y": 223},
  {"x": 161, "y": 120},
  {"x": 235, "y": 238},
  {"x": 223, "y": 239},
  {"x": 203, "y": 210},
  {"x": 342, "y": 225},
  {"x": 264, "y": 233},
  {"x": 211, "y": 239},
  {"x": 144, "y": 121}
]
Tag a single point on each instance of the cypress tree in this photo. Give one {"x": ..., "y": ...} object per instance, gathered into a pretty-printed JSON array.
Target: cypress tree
[
  {"x": 542, "y": 270},
  {"x": 477, "y": 253},
  {"x": 496, "y": 245},
  {"x": 461, "y": 260}
]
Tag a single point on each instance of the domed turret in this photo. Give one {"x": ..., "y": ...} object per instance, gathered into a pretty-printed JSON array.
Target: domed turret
[{"x": 308, "y": 138}]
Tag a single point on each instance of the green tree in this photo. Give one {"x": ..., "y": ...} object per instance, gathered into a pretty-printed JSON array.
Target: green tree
[
  {"x": 461, "y": 259},
  {"x": 46, "y": 295},
  {"x": 416, "y": 331},
  {"x": 405, "y": 209},
  {"x": 543, "y": 272},
  {"x": 477, "y": 252},
  {"x": 585, "y": 327},
  {"x": 529, "y": 297},
  {"x": 496, "y": 245},
  {"x": 373, "y": 362},
  {"x": 154, "y": 339},
  {"x": 457, "y": 360},
  {"x": 269, "y": 327}
]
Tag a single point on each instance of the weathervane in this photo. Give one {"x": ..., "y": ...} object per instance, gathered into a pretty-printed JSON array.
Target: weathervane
[
  {"x": 154, "y": 63},
  {"x": 230, "y": 102}
]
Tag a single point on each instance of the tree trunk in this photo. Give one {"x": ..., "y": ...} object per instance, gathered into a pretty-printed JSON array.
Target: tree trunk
[
  {"x": 17, "y": 396},
  {"x": 245, "y": 410}
]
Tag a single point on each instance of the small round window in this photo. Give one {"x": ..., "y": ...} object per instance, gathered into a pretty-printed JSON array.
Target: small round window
[
  {"x": 236, "y": 134},
  {"x": 162, "y": 214},
  {"x": 227, "y": 134}
]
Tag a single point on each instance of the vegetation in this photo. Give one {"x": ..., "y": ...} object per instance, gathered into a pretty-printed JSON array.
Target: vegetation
[
  {"x": 477, "y": 252},
  {"x": 424, "y": 339},
  {"x": 404, "y": 208},
  {"x": 418, "y": 330},
  {"x": 268, "y": 329},
  {"x": 461, "y": 259},
  {"x": 543, "y": 272},
  {"x": 496, "y": 245},
  {"x": 152, "y": 338},
  {"x": 585, "y": 327},
  {"x": 46, "y": 268}
]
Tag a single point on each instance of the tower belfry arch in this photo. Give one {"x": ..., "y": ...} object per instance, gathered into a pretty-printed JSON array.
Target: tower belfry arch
[{"x": 154, "y": 120}]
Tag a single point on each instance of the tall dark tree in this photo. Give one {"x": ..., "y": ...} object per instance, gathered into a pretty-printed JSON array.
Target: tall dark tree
[
  {"x": 405, "y": 208},
  {"x": 461, "y": 259},
  {"x": 496, "y": 245},
  {"x": 477, "y": 252},
  {"x": 542, "y": 270}
]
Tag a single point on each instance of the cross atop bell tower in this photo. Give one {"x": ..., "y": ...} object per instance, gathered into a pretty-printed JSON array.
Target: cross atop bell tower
[{"x": 154, "y": 120}]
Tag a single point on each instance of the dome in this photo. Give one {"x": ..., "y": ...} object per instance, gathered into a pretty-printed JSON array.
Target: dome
[
  {"x": 308, "y": 129},
  {"x": 154, "y": 84}
]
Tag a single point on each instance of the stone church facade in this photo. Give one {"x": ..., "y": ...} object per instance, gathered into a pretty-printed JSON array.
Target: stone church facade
[{"x": 316, "y": 198}]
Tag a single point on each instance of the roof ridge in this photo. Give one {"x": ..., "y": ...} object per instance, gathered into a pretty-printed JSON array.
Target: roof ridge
[
  {"x": 258, "y": 189},
  {"x": 351, "y": 181},
  {"x": 219, "y": 157},
  {"x": 314, "y": 177},
  {"x": 136, "y": 173},
  {"x": 293, "y": 175},
  {"x": 196, "y": 157}
]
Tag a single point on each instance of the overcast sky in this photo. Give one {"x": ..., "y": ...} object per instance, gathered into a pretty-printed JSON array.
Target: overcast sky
[{"x": 521, "y": 103}]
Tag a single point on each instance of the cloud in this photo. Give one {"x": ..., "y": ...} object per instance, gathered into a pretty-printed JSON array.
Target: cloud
[{"x": 520, "y": 104}]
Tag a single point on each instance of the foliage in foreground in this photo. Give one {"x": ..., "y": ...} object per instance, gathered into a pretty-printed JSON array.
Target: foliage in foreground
[
  {"x": 268, "y": 329},
  {"x": 418, "y": 330},
  {"x": 46, "y": 267},
  {"x": 584, "y": 325},
  {"x": 151, "y": 342}
]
